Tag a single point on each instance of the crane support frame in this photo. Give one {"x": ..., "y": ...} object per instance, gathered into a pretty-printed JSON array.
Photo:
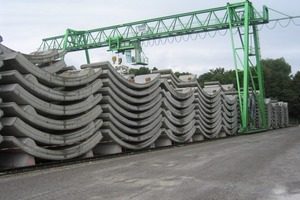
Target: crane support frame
[{"x": 242, "y": 17}]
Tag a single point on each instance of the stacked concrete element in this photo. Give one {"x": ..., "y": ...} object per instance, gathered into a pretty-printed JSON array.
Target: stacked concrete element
[
  {"x": 159, "y": 109},
  {"x": 277, "y": 112},
  {"x": 47, "y": 115},
  {"x": 55, "y": 112}
]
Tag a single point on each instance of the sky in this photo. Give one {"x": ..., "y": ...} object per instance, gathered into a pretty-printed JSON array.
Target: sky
[{"x": 24, "y": 23}]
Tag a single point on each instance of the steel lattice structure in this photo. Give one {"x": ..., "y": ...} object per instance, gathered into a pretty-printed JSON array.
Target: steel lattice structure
[{"x": 237, "y": 17}]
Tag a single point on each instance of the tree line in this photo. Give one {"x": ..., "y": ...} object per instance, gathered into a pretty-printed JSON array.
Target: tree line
[{"x": 279, "y": 83}]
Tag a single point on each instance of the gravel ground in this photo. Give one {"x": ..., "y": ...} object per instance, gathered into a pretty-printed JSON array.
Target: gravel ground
[{"x": 257, "y": 166}]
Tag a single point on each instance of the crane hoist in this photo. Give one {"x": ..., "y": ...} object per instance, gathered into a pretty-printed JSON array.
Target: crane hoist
[{"x": 241, "y": 19}]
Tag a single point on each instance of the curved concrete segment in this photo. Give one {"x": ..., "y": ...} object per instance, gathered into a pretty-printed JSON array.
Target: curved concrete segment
[
  {"x": 41, "y": 57},
  {"x": 31, "y": 84},
  {"x": 16, "y": 93},
  {"x": 16, "y": 127},
  {"x": 67, "y": 79},
  {"x": 28, "y": 114},
  {"x": 68, "y": 152}
]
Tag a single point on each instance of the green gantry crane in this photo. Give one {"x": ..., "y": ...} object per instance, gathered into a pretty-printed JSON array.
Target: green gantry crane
[{"x": 240, "y": 18}]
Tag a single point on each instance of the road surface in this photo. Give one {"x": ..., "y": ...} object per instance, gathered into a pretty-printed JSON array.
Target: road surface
[{"x": 258, "y": 166}]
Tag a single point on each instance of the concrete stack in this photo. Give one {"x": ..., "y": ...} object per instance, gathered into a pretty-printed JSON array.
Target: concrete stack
[
  {"x": 47, "y": 115},
  {"x": 277, "y": 114},
  {"x": 54, "y": 112}
]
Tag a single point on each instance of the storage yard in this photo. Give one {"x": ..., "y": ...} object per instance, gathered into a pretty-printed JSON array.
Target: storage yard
[
  {"x": 257, "y": 166},
  {"x": 54, "y": 114},
  {"x": 96, "y": 131}
]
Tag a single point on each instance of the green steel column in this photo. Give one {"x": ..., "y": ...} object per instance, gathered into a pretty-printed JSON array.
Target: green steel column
[
  {"x": 230, "y": 18},
  {"x": 65, "y": 41},
  {"x": 87, "y": 56},
  {"x": 261, "y": 98},
  {"x": 244, "y": 113}
]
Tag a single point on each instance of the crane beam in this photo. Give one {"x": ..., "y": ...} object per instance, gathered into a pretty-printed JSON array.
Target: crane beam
[{"x": 121, "y": 37}]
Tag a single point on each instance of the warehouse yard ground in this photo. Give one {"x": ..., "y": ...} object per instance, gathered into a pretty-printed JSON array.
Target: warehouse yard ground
[{"x": 256, "y": 166}]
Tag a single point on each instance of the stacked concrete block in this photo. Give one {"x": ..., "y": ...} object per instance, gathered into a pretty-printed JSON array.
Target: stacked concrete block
[
  {"x": 277, "y": 114},
  {"x": 47, "y": 115},
  {"x": 54, "y": 112}
]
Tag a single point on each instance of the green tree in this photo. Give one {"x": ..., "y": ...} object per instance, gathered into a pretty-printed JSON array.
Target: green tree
[
  {"x": 294, "y": 104},
  {"x": 277, "y": 79},
  {"x": 181, "y": 73},
  {"x": 218, "y": 74},
  {"x": 140, "y": 71},
  {"x": 281, "y": 85}
]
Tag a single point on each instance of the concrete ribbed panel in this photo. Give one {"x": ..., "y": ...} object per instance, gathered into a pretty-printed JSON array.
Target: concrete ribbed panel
[
  {"x": 132, "y": 130},
  {"x": 28, "y": 114},
  {"x": 16, "y": 93},
  {"x": 111, "y": 72},
  {"x": 127, "y": 122},
  {"x": 135, "y": 146},
  {"x": 286, "y": 114},
  {"x": 53, "y": 69},
  {"x": 178, "y": 130},
  {"x": 208, "y": 133},
  {"x": 275, "y": 115},
  {"x": 31, "y": 84},
  {"x": 16, "y": 61},
  {"x": 114, "y": 107},
  {"x": 208, "y": 99},
  {"x": 113, "y": 92},
  {"x": 188, "y": 78},
  {"x": 208, "y": 119},
  {"x": 182, "y": 112},
  {"x": 176, "y": 103},
  {"x": 269, "y": 112},
  {"x": 213, "y": 86},
  {"x": 59, "y": 153},
  {"x": 130, "y": 107},
  {"x": 281, "y": 114},
  {"x": 179, "y": 121},
  {"x": 131, "y": 137},
  {"x": 181, "y": 138},
  {"x": 41, "y": 57},
  {"x": 14, "y": 126},
  {"x": 180, "y": 95},
  {"x": 113, "y": 83}
]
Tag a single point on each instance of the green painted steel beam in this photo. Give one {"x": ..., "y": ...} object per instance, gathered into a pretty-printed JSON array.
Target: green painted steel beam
[{"x": 169, "y": 26}]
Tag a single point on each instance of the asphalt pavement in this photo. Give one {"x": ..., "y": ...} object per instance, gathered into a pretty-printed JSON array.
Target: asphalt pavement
[{"x": 258, "y": 166}]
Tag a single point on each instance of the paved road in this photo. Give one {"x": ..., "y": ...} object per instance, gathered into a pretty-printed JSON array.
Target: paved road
[{"x": 258, "y": 166}]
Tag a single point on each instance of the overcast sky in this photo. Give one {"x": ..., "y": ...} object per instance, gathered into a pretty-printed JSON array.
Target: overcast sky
[{"x": 24, "y": 23}]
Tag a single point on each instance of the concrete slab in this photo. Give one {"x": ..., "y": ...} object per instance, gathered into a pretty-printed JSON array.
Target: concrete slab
[
  {"x": 67, "y": 79},
  {"x": 59, "y": 154},
  {"x": 29, "y": 115},
  {"x": 41, "y": 57},
  {"x": 16, "y": 127},
  {"x": 31, "y": 84},
  {"x": 16, "y": 93}
]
